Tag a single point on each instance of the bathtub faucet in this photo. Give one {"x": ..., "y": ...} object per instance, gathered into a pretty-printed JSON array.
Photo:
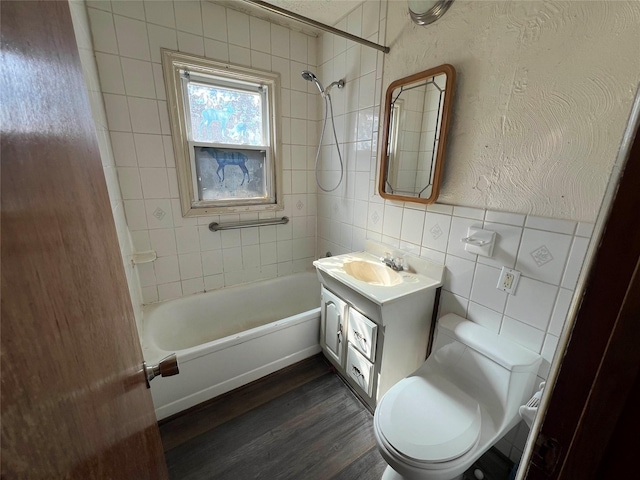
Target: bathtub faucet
[{"x": 396, "y": 264}]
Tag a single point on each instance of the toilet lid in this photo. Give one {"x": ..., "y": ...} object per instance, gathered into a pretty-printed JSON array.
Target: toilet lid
[{"x": 429, "y": 420}]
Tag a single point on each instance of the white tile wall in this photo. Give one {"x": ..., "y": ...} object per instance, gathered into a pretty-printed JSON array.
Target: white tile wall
[
  {"x": 560, "y": 310},
  {"x": 160, "y": 13},
  {"x": 459, "y": 230},
  {"x": 543, "y": 255},
  {"x": 574, "y": 264},
  {"x": 505, "y": 250},
  {"x": 459, "y": 275},
  {"x": 132, "y": 9},
  {"x": 505, "y": 218},
  {"x": 436, "y": 231},
  {"x": 127, "y": 38},
  {"x": 551, "y": 224},
  {"x": 484, "y": 316},
  {"x": 107, "y": 62},
  {"x": 484, "y": 289},
  {"x": 452, "y": 303},
  {"x": 532, "y": 302},
  {"x": 522, "y": 333}
]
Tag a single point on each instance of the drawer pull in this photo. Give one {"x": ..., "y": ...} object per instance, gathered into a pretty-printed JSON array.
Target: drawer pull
[
  {"x": 359, "y": 376},
  {"x": 361, "y": 340},
  {"x": 359, "y": 369}
]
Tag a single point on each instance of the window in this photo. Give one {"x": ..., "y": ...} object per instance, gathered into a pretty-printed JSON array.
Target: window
[{"x": 224, "y": 125}]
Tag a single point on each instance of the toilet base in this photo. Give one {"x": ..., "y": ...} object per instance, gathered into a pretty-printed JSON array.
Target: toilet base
[{"x": 391, "y": 474}]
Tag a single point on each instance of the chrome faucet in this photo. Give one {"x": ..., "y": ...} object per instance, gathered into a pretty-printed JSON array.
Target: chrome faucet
[{"x": 396, "y": 264}]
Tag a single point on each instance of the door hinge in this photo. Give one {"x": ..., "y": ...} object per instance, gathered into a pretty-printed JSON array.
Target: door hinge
[{"x": 546, "y": 454}]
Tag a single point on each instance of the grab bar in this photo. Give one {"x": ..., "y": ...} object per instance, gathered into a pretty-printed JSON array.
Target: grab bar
[{"x": 215, "y": 226}]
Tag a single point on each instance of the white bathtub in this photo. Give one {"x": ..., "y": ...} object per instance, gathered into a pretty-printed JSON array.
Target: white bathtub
[{"x": 227, "y": 338}]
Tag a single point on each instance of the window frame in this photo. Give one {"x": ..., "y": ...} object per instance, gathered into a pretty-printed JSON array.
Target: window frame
[{"x": 173, "y": 63}]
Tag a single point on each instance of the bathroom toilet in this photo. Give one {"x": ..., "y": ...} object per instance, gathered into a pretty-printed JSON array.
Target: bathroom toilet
[{"x": 435, "y": 423}]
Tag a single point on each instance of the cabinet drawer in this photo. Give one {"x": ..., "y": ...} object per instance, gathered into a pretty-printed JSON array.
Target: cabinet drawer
[
  {"x": 359, "y": 369},
  {"x": 362, "y": 333}
]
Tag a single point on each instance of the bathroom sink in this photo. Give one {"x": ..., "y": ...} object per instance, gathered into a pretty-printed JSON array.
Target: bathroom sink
[
  {"x": 364, "y": 273},
  {"x": 372, "y": 273}
]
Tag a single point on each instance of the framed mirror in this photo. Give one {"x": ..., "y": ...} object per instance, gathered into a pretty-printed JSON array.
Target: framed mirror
[{"x": 416, "y": 122}]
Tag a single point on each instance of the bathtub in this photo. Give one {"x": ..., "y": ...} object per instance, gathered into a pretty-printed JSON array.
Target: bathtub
[{"x": 230, "y": 337}]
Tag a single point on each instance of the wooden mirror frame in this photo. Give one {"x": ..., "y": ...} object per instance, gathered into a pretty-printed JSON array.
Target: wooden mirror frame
[{"x": 450, "y": 71}]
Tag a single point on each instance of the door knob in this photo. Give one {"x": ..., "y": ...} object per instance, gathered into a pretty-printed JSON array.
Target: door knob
[{"x": 167, "y": 367}]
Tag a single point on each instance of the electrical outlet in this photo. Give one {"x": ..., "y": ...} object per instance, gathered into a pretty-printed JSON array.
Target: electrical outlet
[{"x": 508, "y": 280}]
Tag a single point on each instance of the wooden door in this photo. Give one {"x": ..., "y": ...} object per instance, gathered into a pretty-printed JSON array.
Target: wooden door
[{"x": 74, "y": 400}]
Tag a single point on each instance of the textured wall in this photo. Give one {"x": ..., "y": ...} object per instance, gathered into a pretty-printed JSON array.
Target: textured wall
[{"x": 543, "y": 96}]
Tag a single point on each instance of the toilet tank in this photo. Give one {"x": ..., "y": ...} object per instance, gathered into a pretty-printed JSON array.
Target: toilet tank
[{"x": 499, "y": 373}]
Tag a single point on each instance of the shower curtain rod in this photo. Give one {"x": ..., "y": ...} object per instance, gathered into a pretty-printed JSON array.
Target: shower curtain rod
[{"x": 294, "y": 16}]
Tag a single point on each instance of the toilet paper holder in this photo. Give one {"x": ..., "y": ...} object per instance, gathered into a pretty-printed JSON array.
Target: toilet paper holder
[{"x": 529, "y": 410}]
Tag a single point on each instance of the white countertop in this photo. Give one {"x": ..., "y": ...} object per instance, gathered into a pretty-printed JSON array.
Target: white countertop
[{"x": 420, "y": 274}]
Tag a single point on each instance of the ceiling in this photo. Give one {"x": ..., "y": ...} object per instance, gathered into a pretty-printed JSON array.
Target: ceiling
[{"x": 324, "y": 11}]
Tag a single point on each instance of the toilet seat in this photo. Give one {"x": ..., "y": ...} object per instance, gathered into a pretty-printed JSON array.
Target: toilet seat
[{"x": 428, "y": 420}]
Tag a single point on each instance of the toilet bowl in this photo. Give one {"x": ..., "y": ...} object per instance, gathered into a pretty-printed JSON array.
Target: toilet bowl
[{"x": 435, "y": 423}]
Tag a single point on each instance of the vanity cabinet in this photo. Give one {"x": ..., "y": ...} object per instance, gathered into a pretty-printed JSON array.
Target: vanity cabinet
[
  {"x": 374, "y": 346},
  {"x": 376, "y": 323},
  {"x": 348, "y": 339}
]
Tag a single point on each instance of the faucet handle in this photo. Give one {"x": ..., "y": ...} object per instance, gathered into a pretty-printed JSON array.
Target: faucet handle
[{"x": 399, "y": 261}]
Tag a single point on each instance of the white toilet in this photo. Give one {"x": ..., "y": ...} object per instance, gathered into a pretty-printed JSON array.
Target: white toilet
[{"x": 435, "y": 423}]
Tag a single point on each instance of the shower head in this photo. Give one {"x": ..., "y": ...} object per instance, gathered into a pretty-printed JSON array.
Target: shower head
[{"x": 310, "y": 77}]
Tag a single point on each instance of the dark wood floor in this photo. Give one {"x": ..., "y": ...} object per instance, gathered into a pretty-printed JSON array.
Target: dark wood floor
[{"x": 299, "y": 423}]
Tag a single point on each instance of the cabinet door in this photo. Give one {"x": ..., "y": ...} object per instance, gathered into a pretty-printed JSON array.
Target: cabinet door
[{"x": 333, "y": 325}]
